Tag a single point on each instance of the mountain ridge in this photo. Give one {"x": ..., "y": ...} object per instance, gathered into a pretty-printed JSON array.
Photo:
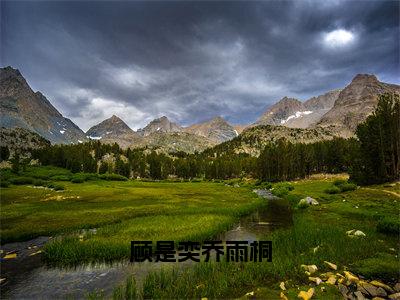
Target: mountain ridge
[
  {"x": 21, "y": 107},
  {"x": 338, "y": 111}
]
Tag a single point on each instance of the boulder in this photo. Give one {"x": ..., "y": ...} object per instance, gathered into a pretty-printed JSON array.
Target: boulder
[
  {"x": 382, "y": 285},
  {"x": 351, "y": 277},
  {"x": 371, "y": 289},
  {"x": 397, "y": 287},
  {"x": 306, "y": 295},
  {"x": 381, "y": 292},
  {"x": 283, "y": 296},
  {"x": 359, "y": 295},
  {"x": 309, "y": 201},
  {"x": 330, "y": 265},
  {"x": 355, "y": 232},
  {"x": 310, "y": 268},
  {"x": 317, "y": 280},
  {"x": 395, "y": 296},
  {"x": 331, "y": 280},
  {"x": 343, "y": 290}
]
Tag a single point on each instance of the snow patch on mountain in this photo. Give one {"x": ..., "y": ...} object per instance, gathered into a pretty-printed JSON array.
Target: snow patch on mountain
[{"x": 297, "y": 115}]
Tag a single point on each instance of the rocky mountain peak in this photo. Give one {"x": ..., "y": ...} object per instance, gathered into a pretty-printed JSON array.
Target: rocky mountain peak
[
  {"x": 112, "y": 130},
  {"x": 364, "y": 78},
  {"x": 162, "y": 124},
  {"x": 216, "y": 129},
  {"x": 23, "y": 108},
  {"x": 355, "y": 102}
]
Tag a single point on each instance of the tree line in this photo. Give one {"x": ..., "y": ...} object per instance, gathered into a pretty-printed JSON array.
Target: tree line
[{"x": 371, "y": 157}]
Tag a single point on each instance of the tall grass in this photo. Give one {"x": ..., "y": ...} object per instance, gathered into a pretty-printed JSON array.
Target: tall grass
[{"x": 291, "y": 248}]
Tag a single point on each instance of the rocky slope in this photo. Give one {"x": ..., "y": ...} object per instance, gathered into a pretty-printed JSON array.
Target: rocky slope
[
  {"x": 253, "y": 139},
  {"x": 113, "y": 130},
  {"x": 19, "y": 138},
  {"x": 293, "y": 113},
  {"x": 173, "y": 142},
  {"x": 162, "y": 124},
  {"x": 21, "y": 107},
  {"x": 355, "y": 102},
  {"x": 217, "y": 130},
  {"x": 280, "y": 112}
]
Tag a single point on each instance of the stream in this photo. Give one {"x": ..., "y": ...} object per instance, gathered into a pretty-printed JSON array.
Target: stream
[{"x": 27, "y": 277}]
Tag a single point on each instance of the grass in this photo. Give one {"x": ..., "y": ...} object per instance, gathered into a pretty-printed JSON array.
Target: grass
[
  {"x": 372, "y": 256},
  {"x": 121, "y": 211},
  {"x": 132, "y": 210}
]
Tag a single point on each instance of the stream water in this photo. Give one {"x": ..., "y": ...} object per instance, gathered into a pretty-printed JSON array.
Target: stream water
[{"x": 27, "y": 277}]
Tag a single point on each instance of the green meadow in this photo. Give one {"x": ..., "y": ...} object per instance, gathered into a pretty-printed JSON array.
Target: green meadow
[
  {"x": 120, "y": 211},
  {"x": 317, "y": 235}
]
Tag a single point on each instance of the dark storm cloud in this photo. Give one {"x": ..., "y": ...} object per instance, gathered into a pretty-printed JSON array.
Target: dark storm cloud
[{"x": 194, "y": 60}]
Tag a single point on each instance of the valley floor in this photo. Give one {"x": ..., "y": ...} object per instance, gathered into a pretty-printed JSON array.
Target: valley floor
[{"x": 96, "y": 220}]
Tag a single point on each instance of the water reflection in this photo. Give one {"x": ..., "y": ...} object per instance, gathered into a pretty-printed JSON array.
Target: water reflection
[{"x": 43, "y": 282}]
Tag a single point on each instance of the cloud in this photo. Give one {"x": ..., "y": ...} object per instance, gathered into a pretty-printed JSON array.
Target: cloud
[
  {"x": 339, "y": 38},
  {"x": 194, "y": 60}
]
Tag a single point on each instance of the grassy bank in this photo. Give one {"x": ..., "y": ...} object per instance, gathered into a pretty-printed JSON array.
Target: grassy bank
[
  {"x": 318, "y": 234},
  {"x": 121, "y": 211}
]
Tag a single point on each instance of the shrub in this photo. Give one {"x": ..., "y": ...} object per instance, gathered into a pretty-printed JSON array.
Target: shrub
[
  {"x": 384, "y": 266},
  {"x": 280, "y": 191},
  {"x": 61, "y": 178},
  {"x": 389, "y": 225},
  {"x": 39, "y": 182},
  {"x": 285, "y": 185},
  {"x": 21, "y": 180},
  {"x": 333, "y": 190},
  {"x": 263, "y": 184},
  {"x": 347, "y": 187},
  {"x": 303, "y": 205},
  {"x": 56, "y": 187},
  {"x": 77, "y": 179},
  {"x": 113, "y": 177},
  {"x": 196, "y": 180},
  {"x": 4, "y": 183},
  {"x": 338, "y": 182}
]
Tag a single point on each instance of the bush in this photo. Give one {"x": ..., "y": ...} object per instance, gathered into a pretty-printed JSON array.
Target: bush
[
  {"x": 4, "y": 183},
  {"x": 61, "y": 178},
  {"x": 285, "y": 185},
  {"x": 333, "y": 190},
  {"x": 303, "y": 205},
  {"x": 21, "y": 180},
  {"x": 347, "y": 187},
  {"x": 39, "y": 182},
  {"x": 384, "y": 267},
  {"x": 263, "y": 184},
  {"x": 389, "y": 225},
  {"x": 196, "y": 180},
  {"x": 113, "y": 177},
  {"x": 56, "y": 187},
  {"x": 280, "y": 192},
  {"x": 77, "y": 179},
  {"x": 339, "y": 182}
]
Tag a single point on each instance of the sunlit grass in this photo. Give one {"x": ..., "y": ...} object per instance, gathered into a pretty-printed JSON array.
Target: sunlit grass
[{"x": 323, "y": 227}]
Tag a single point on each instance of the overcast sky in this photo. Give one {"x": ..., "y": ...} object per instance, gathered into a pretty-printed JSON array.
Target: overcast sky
[{"x": 192, "y": 61}]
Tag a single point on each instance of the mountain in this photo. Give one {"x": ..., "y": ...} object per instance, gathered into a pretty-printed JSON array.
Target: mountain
[
  {"x": 168, "y": 142},
  {"x": 293, "y": 113},
  {"x": 113, "y": 130},
  {"x": 19, "y": 138},
  {"x": 253, "y": 139},
  {"x": 162, "y": 124},
  {"x": 355, "y": 102},
  {"x": 279, "y": 113},
  {"x": 313, "y": 110},
  {"x": 217, "y": 130},
  {"x": 21, "y": 107}
]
